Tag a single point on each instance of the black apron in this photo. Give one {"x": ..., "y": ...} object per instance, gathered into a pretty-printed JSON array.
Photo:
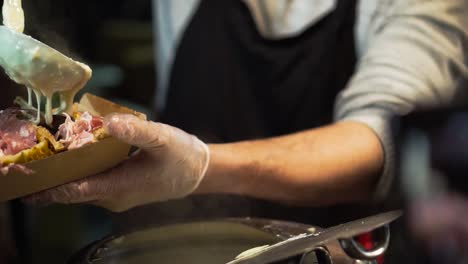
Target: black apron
[{"x": 229, "y": 83}]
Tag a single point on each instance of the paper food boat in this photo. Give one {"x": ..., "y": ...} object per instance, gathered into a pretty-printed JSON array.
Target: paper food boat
[{"x": 70, "y": 165}]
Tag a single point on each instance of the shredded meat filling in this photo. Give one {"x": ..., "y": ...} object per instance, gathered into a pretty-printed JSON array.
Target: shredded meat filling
[
  {"x": 15, "y": 135},
  {"x": 75, "y": 134}
]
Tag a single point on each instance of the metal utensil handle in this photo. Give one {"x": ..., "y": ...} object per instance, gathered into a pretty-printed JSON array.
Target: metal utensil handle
[{"x": 355, "y": 250}]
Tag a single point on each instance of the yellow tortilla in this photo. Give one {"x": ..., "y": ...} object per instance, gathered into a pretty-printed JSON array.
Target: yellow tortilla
[{"x": 46, "y": 146}]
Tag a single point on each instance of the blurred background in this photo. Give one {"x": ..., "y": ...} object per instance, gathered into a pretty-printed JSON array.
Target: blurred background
[{"x": 114, "y": 37}]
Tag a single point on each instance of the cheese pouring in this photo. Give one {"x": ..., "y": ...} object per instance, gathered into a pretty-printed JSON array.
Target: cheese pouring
[
  {"x": 13, "y": 15},
  {"x": 42, "y": 69},
  {"x": 27, "y": 132}
]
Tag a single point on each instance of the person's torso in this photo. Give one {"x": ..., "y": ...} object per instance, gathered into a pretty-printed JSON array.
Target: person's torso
[
  {"x": 230, "y": 82},
  {"x": 285, "y": 18}
]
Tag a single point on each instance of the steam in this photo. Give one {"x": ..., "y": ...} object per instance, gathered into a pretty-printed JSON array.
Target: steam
[{"x": 47, "y": 21}]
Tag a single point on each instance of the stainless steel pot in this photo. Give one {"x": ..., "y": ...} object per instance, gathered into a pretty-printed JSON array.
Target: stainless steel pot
[{"x": 210, "y": 242}]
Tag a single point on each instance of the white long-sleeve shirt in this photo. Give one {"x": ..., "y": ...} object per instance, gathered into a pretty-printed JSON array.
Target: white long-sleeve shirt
[{"x": 412, "y": 54}]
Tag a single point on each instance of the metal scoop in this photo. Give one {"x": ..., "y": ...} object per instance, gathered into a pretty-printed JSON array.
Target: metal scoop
[{"x": 41, "y": 69}]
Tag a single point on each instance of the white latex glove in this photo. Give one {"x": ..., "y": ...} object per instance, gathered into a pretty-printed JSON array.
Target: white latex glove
[{"x": 169, "y": 165}]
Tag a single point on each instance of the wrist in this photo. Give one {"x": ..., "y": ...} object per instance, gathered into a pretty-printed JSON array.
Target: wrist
[
  {"x": 224, "y": 171},
  {"x": 205, "y": 154}
]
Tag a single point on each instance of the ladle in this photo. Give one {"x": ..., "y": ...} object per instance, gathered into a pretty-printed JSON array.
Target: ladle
[{"x": 42, "y": 69}]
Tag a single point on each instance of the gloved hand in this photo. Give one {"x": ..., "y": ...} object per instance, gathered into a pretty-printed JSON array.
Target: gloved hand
[{"x": 169, "y": 165}]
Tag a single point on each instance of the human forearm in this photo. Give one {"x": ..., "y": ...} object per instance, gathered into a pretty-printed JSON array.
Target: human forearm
[
  {"x": 411, "y": 58},
  {"x": 328, "y": 165},
  {"x": 321, "y": 166}
]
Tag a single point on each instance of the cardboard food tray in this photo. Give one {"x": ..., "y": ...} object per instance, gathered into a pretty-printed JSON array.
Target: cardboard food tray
[{"x": 70, "y": 165}]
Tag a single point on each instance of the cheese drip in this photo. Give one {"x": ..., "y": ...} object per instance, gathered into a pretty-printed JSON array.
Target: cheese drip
[
  {"x": 42, "y": 69},
  {"x": 13, "y": 15},
  {"x": 13, "y": 18}
]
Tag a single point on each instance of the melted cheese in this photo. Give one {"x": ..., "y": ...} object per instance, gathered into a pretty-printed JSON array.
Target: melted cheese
[
  {"x": 39, "y": 67},
  {"x": 13, "y": 15}
]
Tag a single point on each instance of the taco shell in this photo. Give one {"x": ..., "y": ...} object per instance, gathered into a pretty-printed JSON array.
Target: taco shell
[{"x": 52, "y": 169}]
